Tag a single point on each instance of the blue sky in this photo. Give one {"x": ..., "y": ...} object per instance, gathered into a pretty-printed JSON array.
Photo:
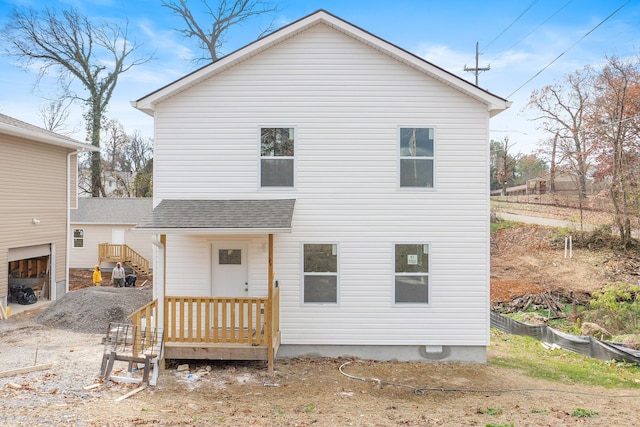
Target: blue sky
[{"x": 517, "y": 39}]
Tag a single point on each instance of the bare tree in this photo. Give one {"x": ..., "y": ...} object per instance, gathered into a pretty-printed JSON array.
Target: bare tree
[
  {"x": 615, "y": 127},
  {"x": 211, "y": 30},
  {"x": 126, "y": 156},
  {"x": 70, "y": 47},
  {"x": 138, "y": 152},
  {"x": 115, "y": 139},
  {"x": 55, "y": 115},
  {"x": 565, "y": 109}
]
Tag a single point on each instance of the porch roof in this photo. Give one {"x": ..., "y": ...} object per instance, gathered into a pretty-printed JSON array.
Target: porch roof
[{"x": 220, "y": 216}]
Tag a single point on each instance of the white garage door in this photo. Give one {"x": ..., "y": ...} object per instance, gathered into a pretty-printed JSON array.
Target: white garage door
[{"x": 16, "y": 254}]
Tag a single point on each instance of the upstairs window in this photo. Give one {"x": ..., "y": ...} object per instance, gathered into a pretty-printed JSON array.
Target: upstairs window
[
  {"x": 416, "y": 157},
  {"x": 78, "y": 238},
  {"x": 320, "y": 273},
  {"x": 276, "y": 157},
  {"x": 412, "y": 274}
]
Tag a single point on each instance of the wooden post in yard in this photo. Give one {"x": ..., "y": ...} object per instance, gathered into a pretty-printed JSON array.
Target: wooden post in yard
[{"x": 268, "y": 316}]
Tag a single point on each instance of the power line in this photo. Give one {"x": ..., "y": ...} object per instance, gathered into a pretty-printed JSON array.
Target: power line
[
  {"x": 567, "y": 50},
  {"x": 534, "y": 30},
  {"x": 509, "y": 26}
]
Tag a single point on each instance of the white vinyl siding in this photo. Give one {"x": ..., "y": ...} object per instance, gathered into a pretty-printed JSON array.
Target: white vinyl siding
[
  {"x": 94, "y": 234},
  {"x": 189, "y": 266},
  {"x": 347, "y": 101}
]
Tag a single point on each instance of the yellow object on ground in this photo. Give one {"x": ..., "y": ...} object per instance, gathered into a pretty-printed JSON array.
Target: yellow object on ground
[{"x": 97, "y": 276}]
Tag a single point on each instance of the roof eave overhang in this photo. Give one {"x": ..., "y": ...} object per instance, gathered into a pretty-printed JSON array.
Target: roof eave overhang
[
  {"x": 8, "y": 129},
  {"x": 495, "y": 109},
  {"x": 201, "y": 231}
]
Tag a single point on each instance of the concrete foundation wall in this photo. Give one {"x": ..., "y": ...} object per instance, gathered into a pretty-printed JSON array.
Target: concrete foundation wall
[{"x": 466, "y": 354}]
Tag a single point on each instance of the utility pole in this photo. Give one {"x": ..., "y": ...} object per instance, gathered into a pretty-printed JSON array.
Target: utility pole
[{"x": 477, "y": 69}]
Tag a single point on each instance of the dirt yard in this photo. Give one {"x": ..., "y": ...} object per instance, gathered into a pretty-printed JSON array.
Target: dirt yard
[
  {"x": 531, "y": 259},
  {"x": 316, "y": 392},
  {"x": 301, "y": 392}
]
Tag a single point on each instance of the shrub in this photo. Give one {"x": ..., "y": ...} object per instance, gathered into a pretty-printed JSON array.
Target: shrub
[{"x": 616, "y": 307}]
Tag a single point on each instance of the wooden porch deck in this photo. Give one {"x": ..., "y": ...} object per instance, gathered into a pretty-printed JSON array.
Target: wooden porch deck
[
  {"x": 216, "y": 328},
  {"x": 219, "y": 350}
]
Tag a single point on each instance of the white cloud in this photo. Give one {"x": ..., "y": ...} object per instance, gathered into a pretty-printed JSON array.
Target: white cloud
[{"x": 444, "y": 57}]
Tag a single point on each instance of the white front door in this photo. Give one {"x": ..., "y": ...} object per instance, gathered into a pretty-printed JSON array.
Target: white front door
[
  {"x": 117, "y": 236},
  {"x": 230, "y": 272}
]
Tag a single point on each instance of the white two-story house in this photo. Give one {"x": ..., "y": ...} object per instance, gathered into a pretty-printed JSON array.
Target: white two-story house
[{"x": 322, "y": 192}]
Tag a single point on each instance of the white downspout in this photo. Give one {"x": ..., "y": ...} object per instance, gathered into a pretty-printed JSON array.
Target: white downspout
[
  {"x": 158, "y": 276},
  {"x": 69, "y": 242}
]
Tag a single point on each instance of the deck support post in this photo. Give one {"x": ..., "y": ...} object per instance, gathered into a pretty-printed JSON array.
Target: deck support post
[{"x": 269, "y": 312}]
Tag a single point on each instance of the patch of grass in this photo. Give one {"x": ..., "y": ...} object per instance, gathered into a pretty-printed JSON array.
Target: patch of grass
[
  {"x": 500, "y": 425},
  {"x": 562, "y": 324},
  {"x": 539, "y": 411},
  {"x": 499, "y": 224},
  {"x": 310, "y": 407},
  {"x": 490, "y": 411},
  {"x": 584, "y": 413},
  {"x": 526, "y": 354}
]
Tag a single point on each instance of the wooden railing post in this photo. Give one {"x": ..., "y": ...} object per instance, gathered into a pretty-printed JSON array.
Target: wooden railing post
[{"x": 268, "y": 315}]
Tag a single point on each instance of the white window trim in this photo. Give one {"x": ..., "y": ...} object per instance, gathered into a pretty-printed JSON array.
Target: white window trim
[
  {"x": 303, "y": 274},
  {"x": 434, "y": 158},
  {"x": 428, "y": 274},
  {"x": 73, "y": 238},
  {"x": 295, "y": 150}
]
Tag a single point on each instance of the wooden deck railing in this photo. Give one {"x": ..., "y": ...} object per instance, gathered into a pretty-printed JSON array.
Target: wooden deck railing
[
  {"x": 146, "y": 317},
  {"x": 145, "y": 325},
  {"x": 216, "y": 320},
  {"x": 108, "y": 252},
  {"x": 202, "y": 322}
]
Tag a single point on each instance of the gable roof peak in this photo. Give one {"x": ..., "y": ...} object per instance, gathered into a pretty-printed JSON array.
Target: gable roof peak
[{"x": 148, "y": 103}]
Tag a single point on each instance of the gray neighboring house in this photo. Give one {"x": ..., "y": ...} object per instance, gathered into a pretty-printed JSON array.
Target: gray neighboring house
[{"x": 99, "y": 221}]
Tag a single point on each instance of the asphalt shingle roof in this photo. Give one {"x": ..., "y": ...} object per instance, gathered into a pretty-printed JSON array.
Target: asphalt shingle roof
[
  {"x": 24, "y": 126},
  {"x": 111, "y": 210},
  {"x": 239, "y": 214}
]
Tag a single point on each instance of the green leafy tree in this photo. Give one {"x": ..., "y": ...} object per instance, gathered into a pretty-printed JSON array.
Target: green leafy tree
[
  {"x": 617, "y": 307},
  {"x": 528, "y": 167},
  {"x": 502, "y": 164},
  {"x": 143, "y": 181}
]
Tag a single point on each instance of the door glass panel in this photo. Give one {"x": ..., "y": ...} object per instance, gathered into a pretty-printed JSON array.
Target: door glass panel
[{"x": 229, "y": 256}]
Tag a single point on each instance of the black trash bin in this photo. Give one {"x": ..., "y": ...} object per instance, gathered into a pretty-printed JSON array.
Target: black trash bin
[{"x": 130, "y": 281}]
